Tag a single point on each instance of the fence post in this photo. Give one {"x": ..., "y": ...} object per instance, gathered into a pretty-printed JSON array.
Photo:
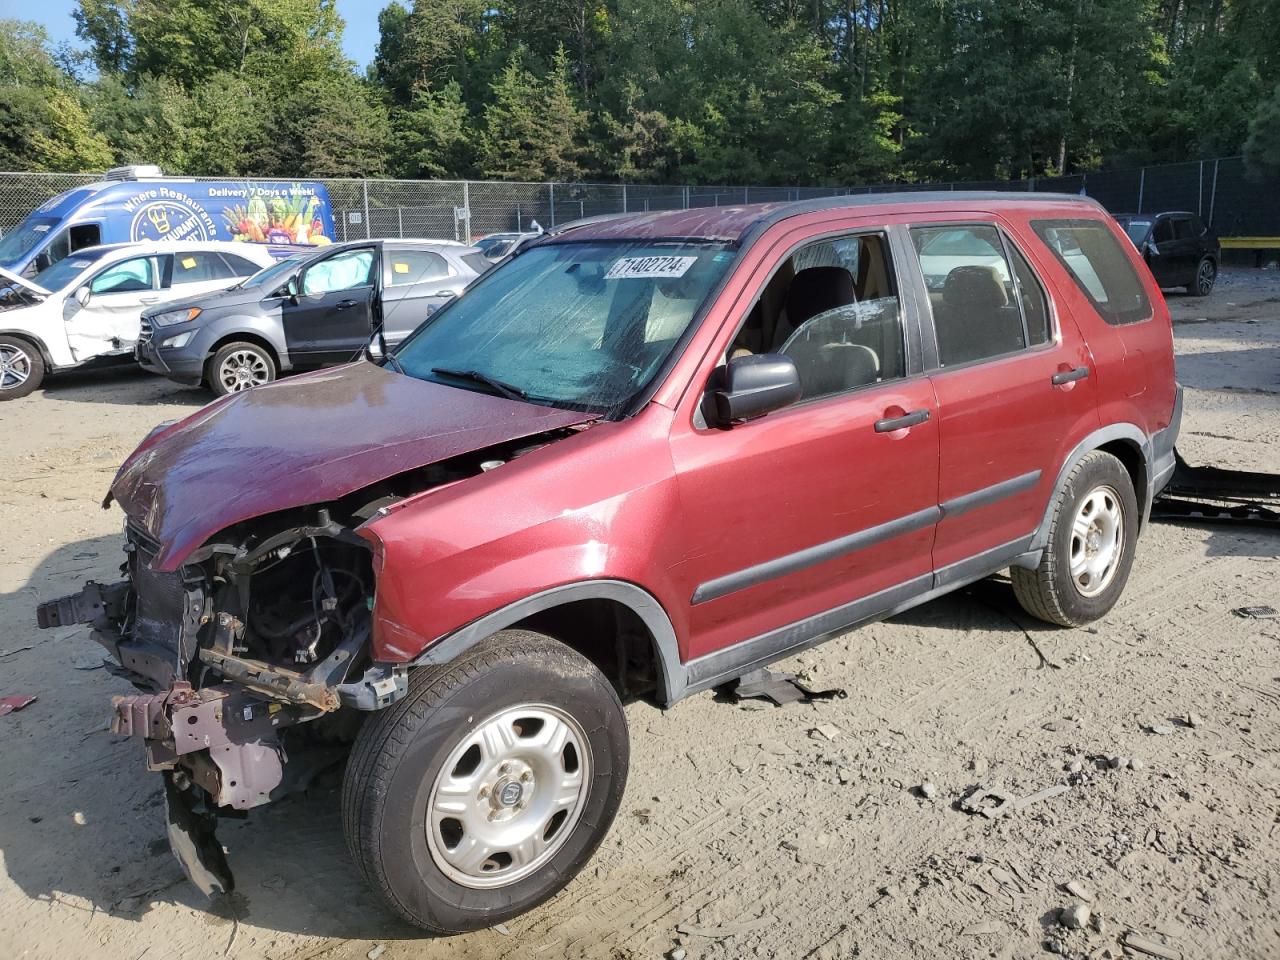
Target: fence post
[
  {"x": 364, "y": 184},
  {"x": 686, "y": 197},
  {"x": 552, "y": 188},
  {"x": 1200, "y": 193},
  {"x": 400, "y": 219},
  {"x": 624, "y": 197},
  {"x": 466, "y": 207},
  {"x": 1213, "y": 192},
  {"x": 1142, "y": 186}
]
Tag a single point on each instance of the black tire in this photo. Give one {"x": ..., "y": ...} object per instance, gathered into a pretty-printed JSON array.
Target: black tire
[
  {"x": 255, "y": 358},
  {"x": 402, "y": 751},
  {"x": 1050, "y": 592},
  {"x": 1206, "y": 277},
  {"x": 21, "y": 367}
]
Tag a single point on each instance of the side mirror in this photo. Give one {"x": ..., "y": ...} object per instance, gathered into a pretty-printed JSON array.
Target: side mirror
[
  {"x": 288, "y": 291},
  {"x": 756, "y": 385},
  {"x": 82, "y": 296}
]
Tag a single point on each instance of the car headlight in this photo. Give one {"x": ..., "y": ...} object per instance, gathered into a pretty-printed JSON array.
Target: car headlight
[
  {"x": 179, "y": 340},
  {"x": 171, "y": 317}
]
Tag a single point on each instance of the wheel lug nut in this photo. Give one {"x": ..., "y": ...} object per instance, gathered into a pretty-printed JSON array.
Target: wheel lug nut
[
  {"x": 504, "y": 768},
  {"x": 484, "y": 791},
  {"x": 526, "y": 776}
]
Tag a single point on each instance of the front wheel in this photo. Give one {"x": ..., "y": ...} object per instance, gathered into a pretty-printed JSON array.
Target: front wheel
[
  {"x": 21, "y": 368},
  {"x": 485, "y": 790},
  {"x": 239, "y": 366},
  {"x": 1092, "y": 539},
  {"x": 1206, "y": 276}
]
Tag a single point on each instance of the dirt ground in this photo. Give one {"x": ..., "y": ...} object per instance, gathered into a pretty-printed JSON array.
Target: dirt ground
[{"x": 794, "y": 832}]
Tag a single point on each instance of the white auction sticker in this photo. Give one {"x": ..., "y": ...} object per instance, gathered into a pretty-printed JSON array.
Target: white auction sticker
[{"x": 644, "y": 268}]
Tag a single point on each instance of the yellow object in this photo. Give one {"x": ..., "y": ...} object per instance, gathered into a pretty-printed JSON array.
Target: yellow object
[
  {"x": 320, "y": 240},
  {"x": 188, "y": 263},
  {"x": 1250, "y": 243},
  {"x": 400, "y": 267}
]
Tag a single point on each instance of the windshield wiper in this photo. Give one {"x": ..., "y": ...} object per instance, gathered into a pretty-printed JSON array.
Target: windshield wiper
[{"x": 493, "y": 383}]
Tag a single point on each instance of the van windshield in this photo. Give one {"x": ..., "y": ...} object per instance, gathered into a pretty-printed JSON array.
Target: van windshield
[
  {"x": 579, "y": 325},
  {"x": 67, "y": 269},
  {"x": 24, "y": 237}
]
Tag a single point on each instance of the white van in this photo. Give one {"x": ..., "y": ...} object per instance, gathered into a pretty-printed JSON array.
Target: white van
[{"x": 88, "y": 305}]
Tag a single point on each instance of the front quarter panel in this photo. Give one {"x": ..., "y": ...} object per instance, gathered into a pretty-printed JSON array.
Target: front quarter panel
[{"x": 599, "y": 505}]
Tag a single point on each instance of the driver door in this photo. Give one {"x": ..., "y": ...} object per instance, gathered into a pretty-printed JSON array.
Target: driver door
[
  {"x": 109, "y": 321},
  {"x": 331, "y": 317}
]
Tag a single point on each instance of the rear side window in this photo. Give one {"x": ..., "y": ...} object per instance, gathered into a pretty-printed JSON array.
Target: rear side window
[
  {"x": 413, "y": 266},
  {"x": 1097, "y": 263},
  {"x": 477, "y": 262},
  {"x": 198, "y": 266},
  {"x": 240, "y": 267},
  {"x": 974, "y": 299}
]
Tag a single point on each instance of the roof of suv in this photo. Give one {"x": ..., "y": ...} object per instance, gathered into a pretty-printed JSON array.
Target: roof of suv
[{"x": 734, "y": 223}]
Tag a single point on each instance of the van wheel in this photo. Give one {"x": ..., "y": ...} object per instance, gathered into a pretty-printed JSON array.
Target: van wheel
[
  {"x": 1206, "y": 275},
  {"x": 239, "y": 366},
  {"x": 489, "y": 786},
  {"x": 1092, "y": 539},
  {"x": 21, "y": 367}
]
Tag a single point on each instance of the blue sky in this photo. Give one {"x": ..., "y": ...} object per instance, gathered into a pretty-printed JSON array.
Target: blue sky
[{"x": 358, "y": 40}]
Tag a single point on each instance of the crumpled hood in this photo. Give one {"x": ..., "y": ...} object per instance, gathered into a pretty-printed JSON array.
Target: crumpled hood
[{"x": 305, "y": 440}]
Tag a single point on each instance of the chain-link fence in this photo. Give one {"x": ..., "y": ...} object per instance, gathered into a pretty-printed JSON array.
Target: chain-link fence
[{"x": 1221, "y": 191}]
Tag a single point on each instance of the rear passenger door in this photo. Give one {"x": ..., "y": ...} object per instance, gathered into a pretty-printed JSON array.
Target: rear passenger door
[
  {"x": 1014, "y": 385},
  {"x": 415, "y": 284}
]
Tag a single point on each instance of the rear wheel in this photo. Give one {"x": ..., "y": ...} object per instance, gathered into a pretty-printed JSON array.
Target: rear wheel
[
  {"x": 239, "y": 366},
  {"x": 1206, "y": 276},
  {"x": 486, "y": 789},
  {"x": 1092, "y": 538},
  {"x": 21, "y": 367}
]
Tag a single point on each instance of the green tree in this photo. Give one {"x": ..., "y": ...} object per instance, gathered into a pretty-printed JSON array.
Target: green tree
[
  {"x": 533, "y": 127},
  {"x": 1262, "y": 149},
  {"x": 431, "y": 137}
]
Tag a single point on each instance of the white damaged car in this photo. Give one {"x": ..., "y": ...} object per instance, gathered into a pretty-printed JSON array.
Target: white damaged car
[{"x": 88, "y": 305}]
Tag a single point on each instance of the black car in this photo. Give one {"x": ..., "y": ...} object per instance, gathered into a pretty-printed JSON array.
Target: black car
[{"x": 1180, "y": 250}]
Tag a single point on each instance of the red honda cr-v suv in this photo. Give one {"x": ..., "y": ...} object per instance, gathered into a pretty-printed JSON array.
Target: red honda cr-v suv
[{"x": 645, "y": 457}]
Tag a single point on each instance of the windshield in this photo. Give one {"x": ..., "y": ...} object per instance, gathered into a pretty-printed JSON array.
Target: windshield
[
  {"x": 276, "y": 273},
  {"x": 1136, "y": 229},
  {"x": 495, "y": 247},
  {"x": 64, "y": 271},
  {"x": 18, "y": 243},
  {"x": 579, "y": 325}
]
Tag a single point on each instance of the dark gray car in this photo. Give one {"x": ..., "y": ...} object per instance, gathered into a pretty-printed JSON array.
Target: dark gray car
[
  {"x": 310, "y": 310},
  {"x": 1178, "y": 248}
]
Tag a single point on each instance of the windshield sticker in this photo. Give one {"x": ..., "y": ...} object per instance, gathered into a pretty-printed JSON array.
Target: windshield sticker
[
  {"x": 649, "y": 268},
  {"x": 80, "y": 264},
  {"x": 189, "y": 263},
  {"x": 400, "y": 267}
]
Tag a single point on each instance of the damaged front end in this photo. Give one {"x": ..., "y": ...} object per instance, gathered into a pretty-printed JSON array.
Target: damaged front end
[{"x": 253, "y": 664}]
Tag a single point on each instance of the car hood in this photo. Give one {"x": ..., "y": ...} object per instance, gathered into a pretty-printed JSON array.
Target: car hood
[
  {"x": 306, "y": 440},
  {"x": 233, "y": 297}
]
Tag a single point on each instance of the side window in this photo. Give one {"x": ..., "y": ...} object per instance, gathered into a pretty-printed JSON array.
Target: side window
[
  {"x": 239, "y": 266},
  {"x": 128, "y": 276},
  {"x": 344, "y": 271},
  {"x": 1097, "y": 263},
  {"x": 832, "y": 307},
  {"x": 972, "y": 294},
  {"x": 1031, "y": 296},
  {"x": 85, "y": 235},
  {"x": 1182, "y": 228},
  {"x": 1164, "y": 230},
  {"x": 1198, "y": 229},
  {"x": 413, "y": 266},
  {"x": 199, "y": 267}
]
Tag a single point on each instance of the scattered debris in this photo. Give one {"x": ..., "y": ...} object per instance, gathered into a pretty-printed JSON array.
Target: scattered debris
[
  {"x": 377, "y": 951},
  {"x": 844, "y": 775},
  {"x": 1193, "y": 720},
  {"x": 10, "y": 653},
  {"x": 1115, "y": 763},
  {"x": 988, "y": 801},
  {"x": 780, "y": 688},
  {"x": 1161, "y": 729},
  {"x": 1075, "y": 766},
  {"x": 1135, "y": 763},
  {"x": 825, "y": 731},
  {"x": 14, "y": 703},
  {"x": 676, "y": 954},
  {"x": 503, "y": 929},
  {"x": 1039, "y": 795},
  {"x": 1075, "y": 917},
  {"x": 983, "y": 929},
  {"x": 1078, "y": 890},
  {"x": 927, "y": 790},
  {"x": 1257, "y": 613},
  {"x": 1151, "y": 948}
]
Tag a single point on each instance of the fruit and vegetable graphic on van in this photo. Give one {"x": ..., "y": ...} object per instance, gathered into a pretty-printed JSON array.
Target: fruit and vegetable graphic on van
[{"x": 139, "y": 203}]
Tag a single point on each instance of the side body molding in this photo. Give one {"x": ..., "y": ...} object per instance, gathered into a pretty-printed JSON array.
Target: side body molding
[{"x": 639, "y": 600}]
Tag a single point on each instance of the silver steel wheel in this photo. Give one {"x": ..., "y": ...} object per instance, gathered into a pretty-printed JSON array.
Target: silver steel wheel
[
  {"x": 243, "y": 369},
  {"x": 1205, "y": 276},
  {"x": 15, "y": 366},
  {"x": 508, "y": 796},
  {"x": 1097, "y": 541}
]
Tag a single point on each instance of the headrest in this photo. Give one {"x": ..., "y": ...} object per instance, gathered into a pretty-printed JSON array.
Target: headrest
[
  {"x": 974, "y": 285},
  {"x": 816, "y": 290}
]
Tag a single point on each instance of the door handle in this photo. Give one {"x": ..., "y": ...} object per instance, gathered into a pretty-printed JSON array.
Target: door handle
[
  {"x": 1069, "y": 376},
  {"x": 890, "y": 424},
  {"x": 344, "y": 304}
]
